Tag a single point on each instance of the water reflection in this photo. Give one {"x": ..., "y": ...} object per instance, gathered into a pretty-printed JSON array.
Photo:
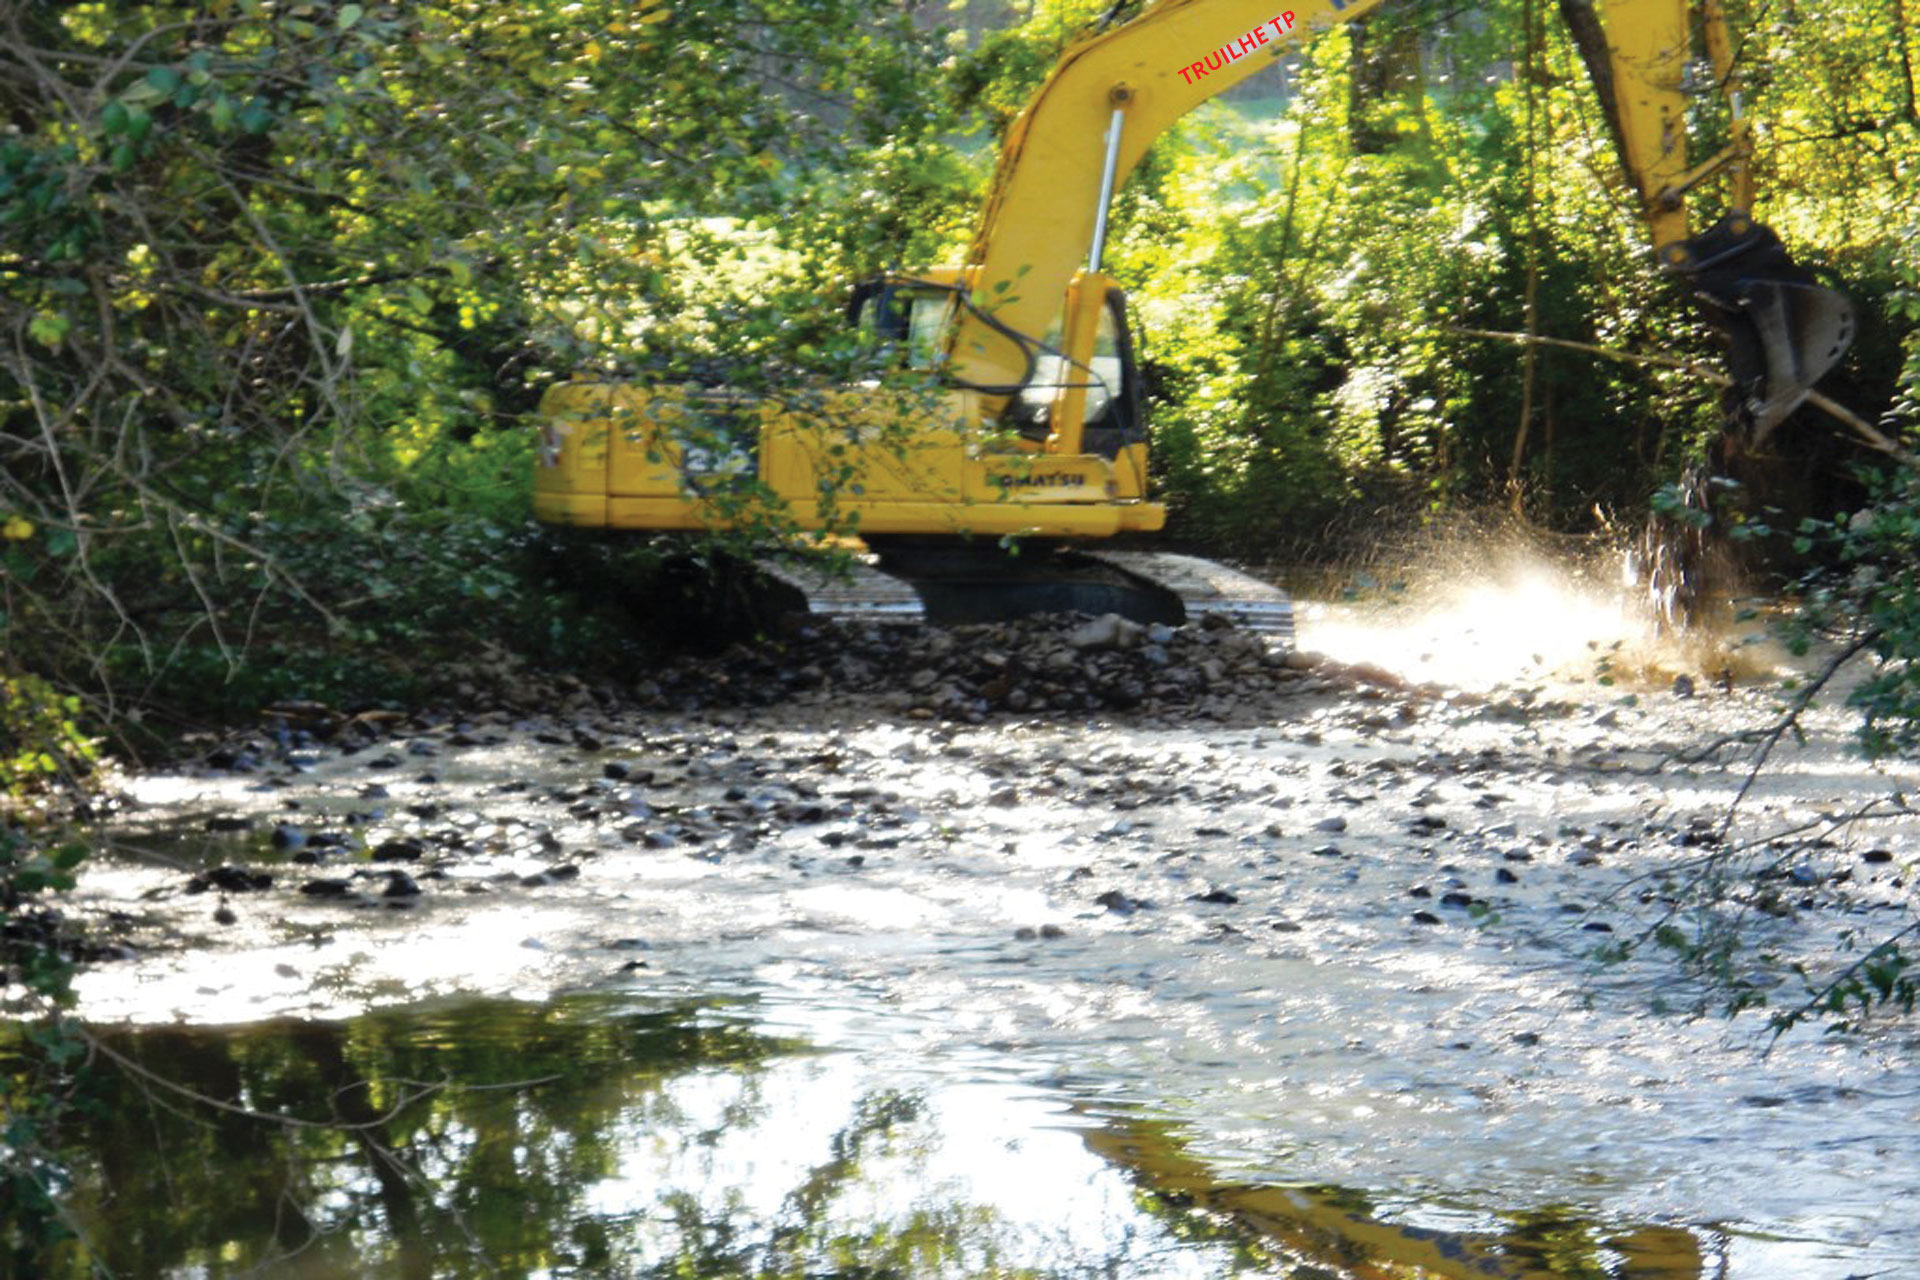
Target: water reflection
[
  {"x": 583, "y": 1137},
  {"x": 1335, "y": 1226}
]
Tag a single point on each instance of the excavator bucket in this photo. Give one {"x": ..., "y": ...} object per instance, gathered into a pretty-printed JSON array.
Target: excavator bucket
[{"x": 1784, "y": 328}]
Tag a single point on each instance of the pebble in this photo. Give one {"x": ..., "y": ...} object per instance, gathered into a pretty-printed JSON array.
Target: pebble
[
  {"x": 400, "y": 885},
  {"x": 230, "y": 880}
]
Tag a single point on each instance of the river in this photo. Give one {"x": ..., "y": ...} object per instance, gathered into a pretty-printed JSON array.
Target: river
[{"x": 1325, "y": 981}]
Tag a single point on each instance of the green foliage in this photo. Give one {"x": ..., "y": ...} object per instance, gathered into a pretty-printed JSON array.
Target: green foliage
[
  {"x": 284, "y": 284},
  {"x": 1866, "y": 594},
  {"x": 41, "y": 742},
  {"x": 40, "y": 1056}
]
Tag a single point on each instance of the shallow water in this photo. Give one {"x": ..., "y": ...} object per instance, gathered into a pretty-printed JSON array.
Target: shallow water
[
  {"x": 601, "y": 1135},
  {"x": 1179, "y": 960}
]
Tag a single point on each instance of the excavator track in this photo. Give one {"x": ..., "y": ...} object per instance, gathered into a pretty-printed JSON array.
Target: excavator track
[
  {"x": 1206, "y": 587},
  {"x": 947, "y": 587},
  {"x": 853, "y": 589}
]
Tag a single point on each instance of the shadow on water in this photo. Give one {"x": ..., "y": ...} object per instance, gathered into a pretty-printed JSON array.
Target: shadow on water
[{"x": 587, "y": 1137}]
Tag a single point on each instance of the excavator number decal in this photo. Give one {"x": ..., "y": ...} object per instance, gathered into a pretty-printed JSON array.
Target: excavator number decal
[{"x": 1234, "y": 50}]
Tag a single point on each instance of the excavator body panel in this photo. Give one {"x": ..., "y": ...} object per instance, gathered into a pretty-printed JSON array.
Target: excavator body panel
[{"x": 871, "y": 461}]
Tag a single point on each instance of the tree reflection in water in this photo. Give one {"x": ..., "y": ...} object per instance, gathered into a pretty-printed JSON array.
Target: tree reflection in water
[{"x": 580, "y": 1137}]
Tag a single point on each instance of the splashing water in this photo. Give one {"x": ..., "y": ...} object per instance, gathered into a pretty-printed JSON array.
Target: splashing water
[{"x": 1508, "y": 614}]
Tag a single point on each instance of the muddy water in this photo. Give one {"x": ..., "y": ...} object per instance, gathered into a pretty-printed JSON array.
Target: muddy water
[{"x": 1313, "y": 992}]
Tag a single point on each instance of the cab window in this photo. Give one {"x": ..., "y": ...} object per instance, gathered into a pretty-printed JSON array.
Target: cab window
[{"x": 905, "y": 317}]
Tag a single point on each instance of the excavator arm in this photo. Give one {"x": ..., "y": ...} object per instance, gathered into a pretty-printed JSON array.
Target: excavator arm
[
  {"x": 1783, "y": 328},
  {"x": 1027, "y": 284}
]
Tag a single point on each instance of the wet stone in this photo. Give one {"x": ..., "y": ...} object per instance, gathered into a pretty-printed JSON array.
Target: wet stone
[
  {"x": 230, "y": 879},
  {"x": 400, "y": 885}
]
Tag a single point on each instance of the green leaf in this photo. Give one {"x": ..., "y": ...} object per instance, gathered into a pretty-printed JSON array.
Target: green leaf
[
  {"x": 348, "y": 15},
  {"x": 48, "y": 327},
  {"x": 165, "y": 79}
]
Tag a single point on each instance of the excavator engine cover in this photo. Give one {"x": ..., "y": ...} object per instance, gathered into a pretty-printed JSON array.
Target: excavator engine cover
[{"x": 1784, "y": 328}]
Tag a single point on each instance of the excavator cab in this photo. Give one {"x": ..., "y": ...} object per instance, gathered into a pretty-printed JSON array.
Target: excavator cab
[{"x": 913, "y": 316}]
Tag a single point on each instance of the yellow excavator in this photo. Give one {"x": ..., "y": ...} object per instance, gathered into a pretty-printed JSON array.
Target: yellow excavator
[{"x": 1030, "y": 426}]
